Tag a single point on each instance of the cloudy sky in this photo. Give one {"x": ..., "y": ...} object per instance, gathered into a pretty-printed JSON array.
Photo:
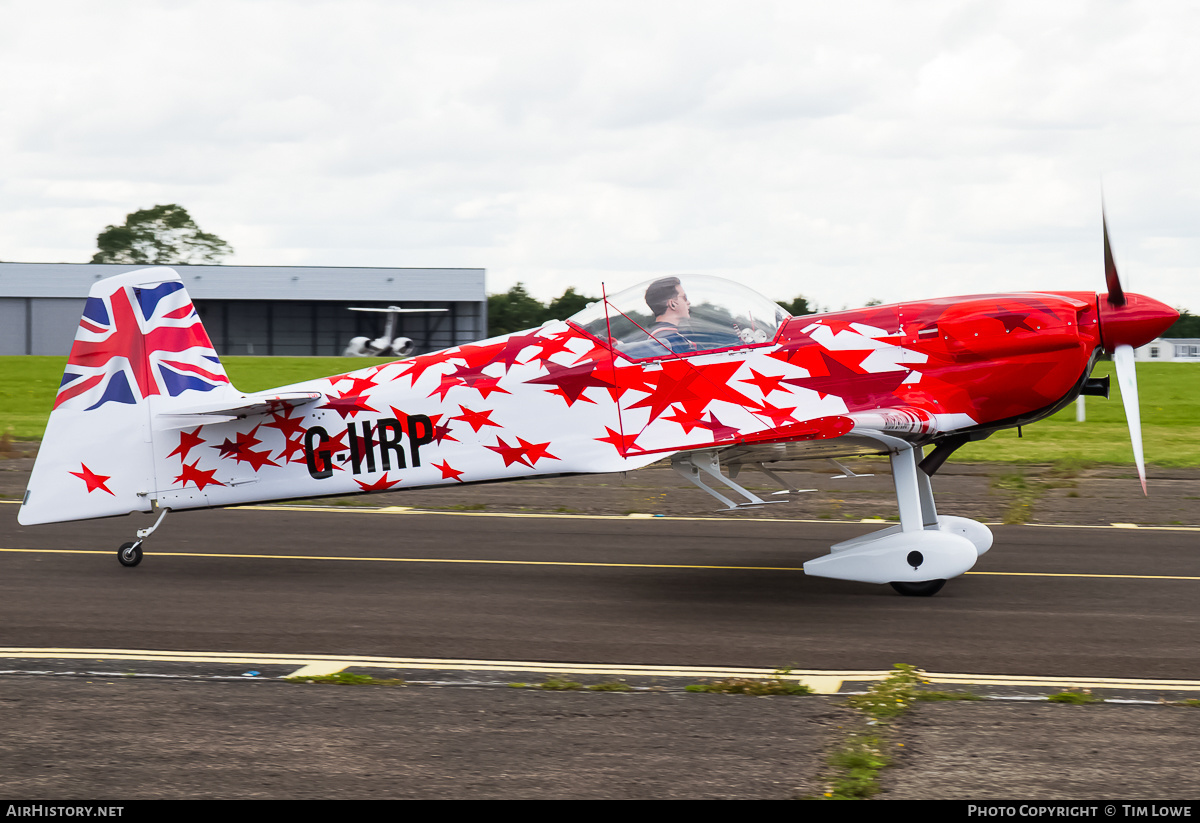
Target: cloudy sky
[{"x": 848, "y": 151}]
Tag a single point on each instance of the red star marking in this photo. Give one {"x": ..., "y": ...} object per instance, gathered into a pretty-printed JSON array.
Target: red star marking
[
  {"x": 257, "y": 459},
  {"x": 511, "y": 454},
  {"x": 675, "y": 385},
  {"x": 441, "y": 431},
  {"x": 478, "y": 356},
  {"x": 598, "y": 352},
  {"x": 471, "y": 377},
  {"x": 525, "y": 453},
  {"x": 379, "y": 485},
  {"x": 629, "y": 378},
  {"x": 358, "y": 386},
  {"x": 187, "y": 441},
  {"x": 228, "y": 448},
  {"x": 536, "y": 451},
  {"x": 693, "y": 387},
  {"x": 448, "y": 473},
  {"x": 94, "y": 481},
  {"x": 1014, "y": 320},
  {"x": 443, "y": 388},
  {"x": 554, "y": 345},
  {"x": 622, "y": 443},
  {"x": 285, "y": 423},
  {"x": 869, "y": 390},
  {"x": 686, "y": 420},
  {"x": 486, "y": 387},
  {"x": 293, "y": 451},
  {"x": 778, "y": 416},
  {"x": 719, "y": 430},
  {"x": 201, "y": 479},
  {"x": 765, "y": 384},
  {"x": 239, "y": 450},
  {"x": 347, "y": 406},
  {"x": 476, "y": 420},
  {"x": 571, "y": 381},
  {"x": 419, "y": 365},
  {"x": 336, "y": 445},
  {"x": 513, "y": 347},
  {"x": 557, "y": 392}
]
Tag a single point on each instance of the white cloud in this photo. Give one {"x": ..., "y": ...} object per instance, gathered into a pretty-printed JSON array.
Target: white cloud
[{"x": 871, "y": 149}]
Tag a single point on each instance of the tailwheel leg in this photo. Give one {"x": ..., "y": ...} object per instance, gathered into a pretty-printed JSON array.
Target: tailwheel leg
[{"x": 130, "y": 554}]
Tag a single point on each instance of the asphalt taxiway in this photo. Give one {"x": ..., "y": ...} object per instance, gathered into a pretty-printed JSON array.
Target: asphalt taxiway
[{"x": 189, "y": 644}]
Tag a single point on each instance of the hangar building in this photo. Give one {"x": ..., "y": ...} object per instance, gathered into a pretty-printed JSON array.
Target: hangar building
[{"x": 260, "y": 310}]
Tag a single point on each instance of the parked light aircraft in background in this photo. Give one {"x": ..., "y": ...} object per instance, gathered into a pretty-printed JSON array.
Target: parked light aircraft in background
[
  {"x": 713, "y": 376},
  {"x": 387, "y": 345}
]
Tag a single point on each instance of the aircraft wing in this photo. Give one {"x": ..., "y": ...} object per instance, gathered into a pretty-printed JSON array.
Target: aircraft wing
[
  {"x": 853, "y": 434},
  {"x": 848, "y": 445}
]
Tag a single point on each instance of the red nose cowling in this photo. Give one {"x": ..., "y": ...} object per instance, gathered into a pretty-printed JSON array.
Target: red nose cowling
[{"x": 1136, "y": 323}]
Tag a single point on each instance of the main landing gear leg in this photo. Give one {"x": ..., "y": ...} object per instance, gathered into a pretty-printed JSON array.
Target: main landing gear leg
[
  {"x": 919, "y": 555},
  {"x": 130, "y": 554}
]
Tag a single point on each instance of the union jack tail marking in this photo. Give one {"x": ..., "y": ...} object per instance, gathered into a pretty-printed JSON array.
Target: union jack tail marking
[{"x": 136, "y": 341}]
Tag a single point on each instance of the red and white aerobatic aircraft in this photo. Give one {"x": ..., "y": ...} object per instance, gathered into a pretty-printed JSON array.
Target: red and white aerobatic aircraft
[{"x": 697, "y": 369}]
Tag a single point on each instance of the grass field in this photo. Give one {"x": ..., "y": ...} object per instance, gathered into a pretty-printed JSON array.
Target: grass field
[{"x": 1170, "y": 400}]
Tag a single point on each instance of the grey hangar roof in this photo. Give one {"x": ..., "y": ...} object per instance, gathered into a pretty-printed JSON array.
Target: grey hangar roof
[{"x": 298, "y": 310}]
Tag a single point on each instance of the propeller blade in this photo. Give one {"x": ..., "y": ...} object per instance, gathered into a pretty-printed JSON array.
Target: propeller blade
[
  {"x": 1116, "y": 295},
  {"x": 1127, "y": 380}
]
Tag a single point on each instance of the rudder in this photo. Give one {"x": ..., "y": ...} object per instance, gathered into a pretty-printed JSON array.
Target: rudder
[{"x": 140, "y": 349}]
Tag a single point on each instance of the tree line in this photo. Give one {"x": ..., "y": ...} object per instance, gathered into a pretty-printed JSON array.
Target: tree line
[
  {"x": 516, "y": 309},
  {"x": 167, "y": 235}
]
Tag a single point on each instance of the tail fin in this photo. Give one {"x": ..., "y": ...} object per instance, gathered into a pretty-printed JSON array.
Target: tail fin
[{"x": 140, "y": 350}]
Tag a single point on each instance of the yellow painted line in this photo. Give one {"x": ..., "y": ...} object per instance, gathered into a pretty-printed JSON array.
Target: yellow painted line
[
  {"x": 513, "y": 515},
  {"x": 1111, "y": 526},
  {"x": 649, "y": 516},
  {"x": 823, "y": 681},
  {"x": 422, "y": 560},
  {"x": 1086, "y": 574},
  {"x": 1062, "y": 682},
  {"x": 313, "y": 665},
  {"x": 565, "y": 563},
  {"x": 582, "y": 564},
  {"x": 667, "y": 517}
]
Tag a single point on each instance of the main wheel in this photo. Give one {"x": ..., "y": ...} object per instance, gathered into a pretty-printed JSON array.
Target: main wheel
[
  {"x": 130, "y": 554},
  {"x": 925, "y": 588}
]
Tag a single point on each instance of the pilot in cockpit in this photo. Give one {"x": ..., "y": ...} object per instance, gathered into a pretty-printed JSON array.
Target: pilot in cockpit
[{"x": 670, "y": 306}]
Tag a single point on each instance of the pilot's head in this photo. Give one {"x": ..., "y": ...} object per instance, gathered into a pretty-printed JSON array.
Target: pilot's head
[{"x": 667, "y": 300}]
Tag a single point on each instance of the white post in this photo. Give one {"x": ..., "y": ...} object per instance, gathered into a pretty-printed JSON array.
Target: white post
[{"x": 1080, "y": 414}]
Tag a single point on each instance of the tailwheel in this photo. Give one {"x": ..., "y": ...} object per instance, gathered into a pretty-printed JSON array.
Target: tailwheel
[
  {"x": 924, "y": 588},
  {"x": 130, "y": 554}
]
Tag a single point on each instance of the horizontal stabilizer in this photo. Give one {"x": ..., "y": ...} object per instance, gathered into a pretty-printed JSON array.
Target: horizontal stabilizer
[{"x": 248, "y": 405}]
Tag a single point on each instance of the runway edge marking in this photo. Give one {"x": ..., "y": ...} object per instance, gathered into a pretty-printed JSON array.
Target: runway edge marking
[{"x": 822, "y": 681}]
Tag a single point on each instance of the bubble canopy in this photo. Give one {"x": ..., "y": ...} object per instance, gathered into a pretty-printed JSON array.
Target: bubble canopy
[{"x": 682, "y": 314}]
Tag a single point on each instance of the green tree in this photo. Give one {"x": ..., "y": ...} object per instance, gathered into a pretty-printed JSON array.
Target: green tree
[
  {"x": 567, "y": 304},
  {"x": 800, "y": 306},
  {"x": 514, "y": 310},
  {"x": 162, "y": 235}
]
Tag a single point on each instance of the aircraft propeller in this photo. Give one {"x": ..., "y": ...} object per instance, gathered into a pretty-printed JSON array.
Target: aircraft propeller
[{"x": 1127, "y": 321}]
